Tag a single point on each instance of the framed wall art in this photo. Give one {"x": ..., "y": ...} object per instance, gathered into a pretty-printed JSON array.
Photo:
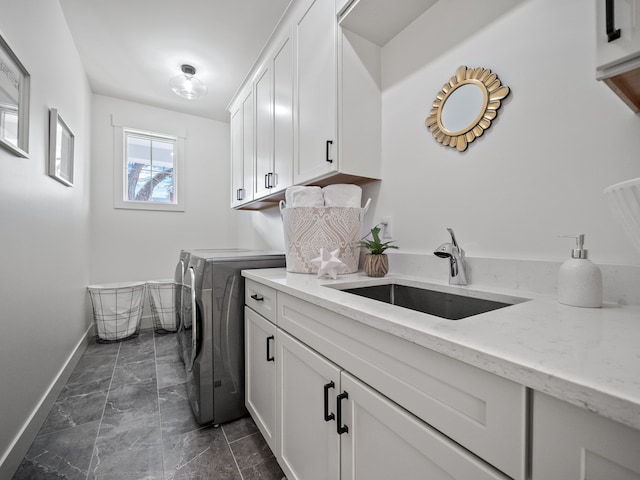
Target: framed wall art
[
  {"x": 61, "y": 140},
  {"x": 14, "y": 102}
]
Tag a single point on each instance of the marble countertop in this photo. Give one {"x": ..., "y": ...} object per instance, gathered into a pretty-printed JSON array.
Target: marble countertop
[{"x": 589, "y": 357}]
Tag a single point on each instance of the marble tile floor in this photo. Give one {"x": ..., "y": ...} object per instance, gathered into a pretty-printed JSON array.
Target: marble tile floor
[{"x": 124, "y": 415}]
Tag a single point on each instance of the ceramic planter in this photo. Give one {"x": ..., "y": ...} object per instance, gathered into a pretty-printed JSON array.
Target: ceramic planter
[{"x": 376, "y": 265}]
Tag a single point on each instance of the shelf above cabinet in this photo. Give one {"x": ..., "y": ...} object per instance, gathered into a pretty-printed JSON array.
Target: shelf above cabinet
[{"x": 380, "y": 20}]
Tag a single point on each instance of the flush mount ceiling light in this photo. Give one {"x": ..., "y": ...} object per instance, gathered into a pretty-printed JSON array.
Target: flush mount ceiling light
[{"x": 187, "y": 85}]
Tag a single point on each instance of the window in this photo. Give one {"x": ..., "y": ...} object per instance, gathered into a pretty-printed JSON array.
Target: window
[{"x": 149, "y": 165}]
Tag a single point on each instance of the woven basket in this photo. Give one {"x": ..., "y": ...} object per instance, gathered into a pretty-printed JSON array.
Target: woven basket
[{"x": 308, "y": 229}]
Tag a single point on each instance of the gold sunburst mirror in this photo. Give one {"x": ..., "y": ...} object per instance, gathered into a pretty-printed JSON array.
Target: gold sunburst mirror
[{"x": 465, "y": 106}]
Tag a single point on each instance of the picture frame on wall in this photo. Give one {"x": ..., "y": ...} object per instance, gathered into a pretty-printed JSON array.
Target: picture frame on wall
[
  {"x": 61, "y": 149},
  {"x": 14, "y": 102}
]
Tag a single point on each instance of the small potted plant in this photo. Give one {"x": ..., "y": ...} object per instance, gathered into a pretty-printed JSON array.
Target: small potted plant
[{"x": 376, "y": 262}]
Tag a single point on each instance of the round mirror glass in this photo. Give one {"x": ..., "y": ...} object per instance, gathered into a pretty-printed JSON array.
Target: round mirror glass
[{"x": 462, "y": 108}]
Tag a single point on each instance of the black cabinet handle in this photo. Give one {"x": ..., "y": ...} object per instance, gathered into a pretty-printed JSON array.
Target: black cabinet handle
[
  {"x": 329, "y": 142},
  {"x": 270, "y": 358},
  {"x": 268, "y": 180},
  {"x": 328, "y": 416},
  {"x": 610, "y": 19},
  {"x": 240, "y": 194},
  {"x": 257, "y": 298},
  {"x": 341, "y": 428}
]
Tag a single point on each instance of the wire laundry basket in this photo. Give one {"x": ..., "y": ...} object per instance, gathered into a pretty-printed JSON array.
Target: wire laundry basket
[
  {"x": 117, "y": 309},
  {"x": 162, "y": 303}
]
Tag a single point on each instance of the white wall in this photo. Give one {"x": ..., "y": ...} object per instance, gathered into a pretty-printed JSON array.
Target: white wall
[
  {"x": 45, "y": 227},
  {"x": 132, "y": 245},
  {"x": 560, "y": 138}
]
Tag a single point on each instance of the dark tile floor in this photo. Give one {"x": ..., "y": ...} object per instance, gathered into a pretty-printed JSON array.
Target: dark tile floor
[{"x": 124, "y": 415}]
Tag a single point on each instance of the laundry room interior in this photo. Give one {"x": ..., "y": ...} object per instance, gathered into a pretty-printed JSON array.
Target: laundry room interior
[{"x": 559, "y": 138}]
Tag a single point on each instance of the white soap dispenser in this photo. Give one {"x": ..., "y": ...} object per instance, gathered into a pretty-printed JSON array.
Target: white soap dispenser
[{"x": 579, "y": 279}]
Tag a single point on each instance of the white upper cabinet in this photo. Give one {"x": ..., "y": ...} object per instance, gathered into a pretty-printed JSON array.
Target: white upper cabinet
[
  {"x": 618, "y": 48},
  {"x": 316, "y": 91},
  {"x": 242, "y": 153},
  {"x": 237, "y": 173},
  {"x": 264, "y": 131},
  {"x": 282, "y": 116},
  {"x": 618, "y": 34},
  {"x": 317, "y": 106}
]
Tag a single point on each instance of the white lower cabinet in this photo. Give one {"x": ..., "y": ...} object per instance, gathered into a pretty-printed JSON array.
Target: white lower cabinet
[
  {"x": 307, "y": 387},
  {"x": 260, "y": 374},
  {"x": 572, "y": 443},
  {"x": 333, "y": 426},
  {"x": 385, "y": 442}
]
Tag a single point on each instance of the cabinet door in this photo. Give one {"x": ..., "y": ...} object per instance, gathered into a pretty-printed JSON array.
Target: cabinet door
[
  {"x": 626, "y": 18},
  {"x": 316, "y": 91},
  {"x": 572, "y": 443},
  {"x": 384, "y": 442},
  {"x": 260, "y": 373},
  {"x": 309, "y": 445},
  {"x": 237, "y": 172},
  {"x": 248, "y": 153},
  {"x": 283, "y": 116},
  {"x": 264, "y": 132},
  {"x": 242, "y": 150}
]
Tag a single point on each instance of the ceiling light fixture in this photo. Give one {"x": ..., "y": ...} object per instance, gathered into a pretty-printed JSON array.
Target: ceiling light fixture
[{"x": 187, "y": 85}]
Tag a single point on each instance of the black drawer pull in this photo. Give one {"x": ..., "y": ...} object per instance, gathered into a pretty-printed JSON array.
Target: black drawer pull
[
  {"x": 270, "y": 358},
  {"x": 257, "y": 298},
  {"x": 341, "y": 428},
  {"x": 328, "y": 416}
]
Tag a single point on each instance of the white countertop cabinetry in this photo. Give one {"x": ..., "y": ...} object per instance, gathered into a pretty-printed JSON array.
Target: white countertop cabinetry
[
  {"x": 477, "y": 381},
  {"x": 367, "y": 382},
  {"x": 571, "y": 442}
]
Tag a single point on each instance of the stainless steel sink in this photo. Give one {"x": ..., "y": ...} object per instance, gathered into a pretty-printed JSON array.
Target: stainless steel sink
[{"x": 433, "y": 302}]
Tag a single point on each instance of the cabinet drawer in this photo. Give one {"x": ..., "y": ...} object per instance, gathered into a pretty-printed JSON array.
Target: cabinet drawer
[
  {"x": 570, "y": 442},
  {"x": 261, "y": 299},
  {"x": 483, "y": 412}
]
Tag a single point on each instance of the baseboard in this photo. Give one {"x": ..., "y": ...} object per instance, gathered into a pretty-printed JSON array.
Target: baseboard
[{"x": 20, "y": 446}]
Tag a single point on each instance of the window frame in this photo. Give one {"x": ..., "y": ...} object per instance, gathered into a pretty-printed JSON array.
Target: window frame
[{"x": 121, "y": 172}]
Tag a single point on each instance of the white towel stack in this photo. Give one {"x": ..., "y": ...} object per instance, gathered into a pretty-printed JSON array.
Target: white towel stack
[
  {"x": 342, "y": 195},
  {"x": 299, "y": 196},
  {"x": 339, "y": 195}
]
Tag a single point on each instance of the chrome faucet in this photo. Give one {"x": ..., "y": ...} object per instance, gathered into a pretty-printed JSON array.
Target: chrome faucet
[{"x": 457, "y": 273}]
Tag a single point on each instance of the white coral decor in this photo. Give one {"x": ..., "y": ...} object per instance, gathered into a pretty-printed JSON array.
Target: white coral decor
[{"x": 329, "y": 264}]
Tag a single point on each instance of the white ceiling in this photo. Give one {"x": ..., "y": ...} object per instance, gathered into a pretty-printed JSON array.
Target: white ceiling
[{"x": 132, "y": 48}]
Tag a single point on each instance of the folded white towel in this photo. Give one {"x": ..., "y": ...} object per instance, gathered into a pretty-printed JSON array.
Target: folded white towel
[
  {"x": 299, "y": 196},
  {"x": 342, "y": 195}
]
